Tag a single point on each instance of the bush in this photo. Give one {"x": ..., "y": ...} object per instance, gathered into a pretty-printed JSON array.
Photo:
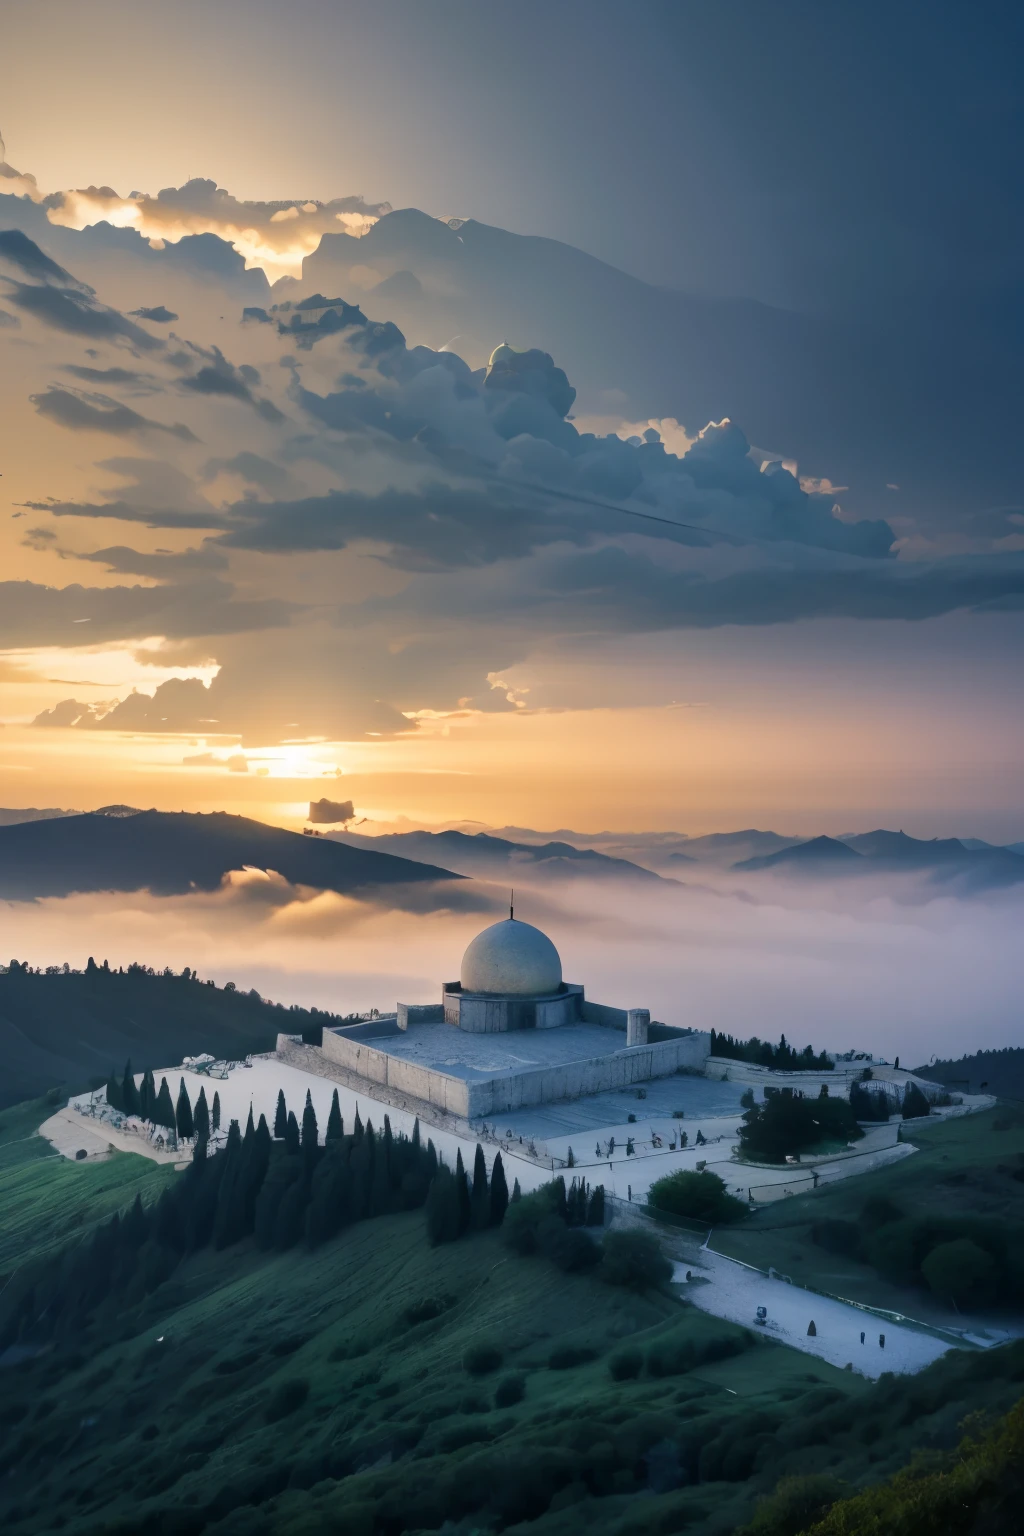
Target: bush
[
  {"x": 787, "y": 1123},
  {"x": 701, "y": 1196},
  {"x": 626, "y": 1365},
  {"x": 568, "y": 1247},
  {"x": 633, "y": 1259},
  {"x": 426, "y": 1310},
  {"x": 798, "y": 1502},
  {"x": 509, "y": 1391},
  {"x": 481, "y": 1358},
  {"x": 565, "y": 1357},
  {"x": 878, "y": 1210},
  {"x": 285, "y": 1398}
]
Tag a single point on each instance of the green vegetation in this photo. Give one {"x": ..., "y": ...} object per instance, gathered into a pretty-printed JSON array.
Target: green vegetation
[
  {"x": 783, "y": 1057},
  {"x": 869, "y": 1237},
  {"x": 58, "y": 1023},
  {"x": 700, "y": 1196},
  {"x": 787, "y": 1123}
]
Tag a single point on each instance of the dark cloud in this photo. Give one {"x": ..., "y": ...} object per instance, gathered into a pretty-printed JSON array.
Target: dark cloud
[
  {"x": 127, "y": 512},
  {"x": 99, "y": 413},
  {"x": 8, "y": 321},
  {"x": 252, "y": 467},
  {"x": 330, "y": 812},
  {"x": 163, "y": 565},
  {"x": 36, "y": 615},
  {"x": 23, "y": 253},
  {"x": 109, "y": 376},
  {"x": 159, "y": 314},
  {"x": 221, "y": 377},
  {"x": 72, "y": 311}
]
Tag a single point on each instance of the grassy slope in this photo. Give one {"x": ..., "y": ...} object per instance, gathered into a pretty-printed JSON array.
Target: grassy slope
[
  {"x": 961, "y": 1168},
  {"x": 116, "y": 1432},
  {"x": 73, "y": 1029},
  {"x": 44, "y": 1199}
]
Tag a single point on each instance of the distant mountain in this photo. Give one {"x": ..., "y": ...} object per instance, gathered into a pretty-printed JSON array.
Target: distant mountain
[
  {"x": 496, "y": 858},
  {"x": 907, "y": 852},
  {"x": 816, "y": 854},
  {"x": 727, "y": 847},
  {"x": 171, "y": 853},
  {"x": 998, "y": 1072},
  {"x": 11, "y": 818}
]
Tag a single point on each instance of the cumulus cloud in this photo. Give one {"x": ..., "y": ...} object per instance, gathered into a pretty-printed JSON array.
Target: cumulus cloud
[
  {"x": 330, "y": 812},
  {"x": 36, "y": 615},
  {"x": 81, "y": 412},
  {"x": 158, "y": 314}
]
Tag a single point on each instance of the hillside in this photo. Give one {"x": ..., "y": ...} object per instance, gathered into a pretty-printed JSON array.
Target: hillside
[
  {"x": 171, "y": 853},
  {"x": 348, "y": 1388},
  {"x": 816, "y": 854},
  {"x": 72, "y": 1029},
  {"x": 495, "y": 858},
  {"x": 999, "y": 1072}
]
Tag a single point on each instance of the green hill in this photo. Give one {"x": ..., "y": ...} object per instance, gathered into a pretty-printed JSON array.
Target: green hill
[
  {"x": 376, "y": 1386},
  {"x": 71, "y": 1028}
]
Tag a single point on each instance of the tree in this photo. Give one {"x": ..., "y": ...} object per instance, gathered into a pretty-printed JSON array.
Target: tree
[
  {"x": 292, "y": 1140},
  {"x": 633, "y": 1259},
  {"x": 114, "y": 1091},
  {"x": 183, "y": 1115},
  {"x": 443, "y": 1213},
  {"x": 787, "y": 1123},
  {"x": 310, "y": 1131},
  {"x": 164, "y": 1114},
  {"x": 462, "y": 1190},
  {"x": 281, "y": 1117},
  {"x": 215, "y": 1118},
  {"x": 915, "y": 1105},
  {"x": 201, "y": 1116},
  {"x": 129, "y": 1093},
  {"x": 747, "y": 1098},
  {"x": 962, "y": 1270},
  {"x": 335, "y": 1124},
  {"x": 147, "y": 1095},
  {"x": 595, "y": 1207},
  {"x": 700, "y": 1196},
  {"x": 478, "y": 1199},
  {"x": 499, "y": 1192}
]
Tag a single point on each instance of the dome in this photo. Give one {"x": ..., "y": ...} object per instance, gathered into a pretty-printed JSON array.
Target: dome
[
  {"x": 502, "y": 353},
  {"x": 512, "y": 959}
]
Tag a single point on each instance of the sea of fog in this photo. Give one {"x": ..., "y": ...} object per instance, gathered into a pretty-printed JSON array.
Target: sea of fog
[{"x": 869, "y": 969}]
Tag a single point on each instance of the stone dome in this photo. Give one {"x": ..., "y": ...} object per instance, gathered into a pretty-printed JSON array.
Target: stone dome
[{"x": 512, "y": 959}]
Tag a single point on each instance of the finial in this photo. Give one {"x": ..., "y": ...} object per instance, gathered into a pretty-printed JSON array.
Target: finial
[{"x": 512, "y": 906}]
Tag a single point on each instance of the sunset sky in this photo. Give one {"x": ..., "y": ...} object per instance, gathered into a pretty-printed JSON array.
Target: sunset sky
[{"x": 747, "y": 548}]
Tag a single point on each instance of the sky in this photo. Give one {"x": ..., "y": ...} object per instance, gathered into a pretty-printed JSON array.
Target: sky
[{"x": 740, "y": 541}]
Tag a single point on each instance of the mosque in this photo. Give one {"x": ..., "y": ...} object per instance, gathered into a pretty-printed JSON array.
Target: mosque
[{"x": 510, "y": 1032}]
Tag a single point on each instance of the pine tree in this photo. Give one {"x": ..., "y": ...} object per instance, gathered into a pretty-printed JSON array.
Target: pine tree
[
  {"x": 129, "y": 1092},
  {"x": 335, "y": 1124},
  {"x": 183, "y": 1115},
  {"x": 479, "y": 1197},
  {"x": 462, "y": 1191},
  {"x": 216, "y": 1111},
  {"x": 114, "y": 1091},
  {"x": 310, "y": 1134},
  {"x": 281, "y": 1117},
  {"x": 164, "y": 1113},
  {"x": 201, "y": 1116},
  {"x": 291, "y": 1133},
  {"x": 499, "y": 1192},
  {"x": 147, "y": 1095}
]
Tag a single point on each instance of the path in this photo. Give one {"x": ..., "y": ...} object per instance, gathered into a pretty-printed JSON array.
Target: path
[{"x": 730, "y": 1290}]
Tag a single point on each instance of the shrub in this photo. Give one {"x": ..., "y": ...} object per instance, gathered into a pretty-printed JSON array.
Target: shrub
[
  {"x": 796, "y": 1504},
  {"x": 633, "y": 1259},
  {"x": 787, "y": 1123},
  {"x": 568, "y": 1247},
  {"x": 701, "y": 1196},
  {"x": 626, "y": 1365},
  {"x": 877, "y": 1210},
  {"x": 481, "y": 1358},
  {"x": 285, "y": 1398},
  {"x": 565, "y": 1357},
  {"x": 426, "y": 1310},
  {"x": 510, "y": 1390}
]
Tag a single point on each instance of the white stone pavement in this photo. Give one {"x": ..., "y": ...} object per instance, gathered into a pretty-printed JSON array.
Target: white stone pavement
[{"x": 730, "y": 1290}]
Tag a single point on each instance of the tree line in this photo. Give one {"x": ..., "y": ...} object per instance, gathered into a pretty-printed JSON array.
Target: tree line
[{"x": 761, "y": 1053}]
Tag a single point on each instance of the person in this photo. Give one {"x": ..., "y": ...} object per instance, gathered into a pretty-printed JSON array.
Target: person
[
  {"x": 862, "y": 1336},
  {"x": 881, "y": 1341},
  {"x": 629, "y": 1192}
]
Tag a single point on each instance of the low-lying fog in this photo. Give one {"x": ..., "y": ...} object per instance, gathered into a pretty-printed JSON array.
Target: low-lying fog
[{"x": 865, "y": 968}]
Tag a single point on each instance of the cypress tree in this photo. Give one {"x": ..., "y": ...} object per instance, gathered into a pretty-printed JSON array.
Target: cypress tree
[
  {"x": 595, "y": 1209},
  {"x": 462, "y": 1192},
  {"x": 479, "y": 1200},
  {"x": 199, "y": 1151},
  {"x": 129, "y": 1092},
  {"x": 499, "y": 1192},
  {"x": 416, "y": 1134},
  {"x": 357, "y": 1129},
  {"x": 229, "y": 1219},
  {"x": 310, "y": 1133},
  {"x": 216, "y": 1111},
  {"x": 164, "y": 1113},
  {"x": 147, "y": 1095},
  {"x": 201, "y": 1116},
  {"x": 517, "y": 1193},
  {"x": 250, "y": 1131},
  {"x": 431, "y": 1164},
  {"x": 114, "y": 1091},
  {"x": 183, "y": 1114},
  {"x": 442, "y": 1208},
  {"x": 281, "y": 1117},
  {"x": 335, "y": 1124},
  {"x": 291, "y": 1133}
]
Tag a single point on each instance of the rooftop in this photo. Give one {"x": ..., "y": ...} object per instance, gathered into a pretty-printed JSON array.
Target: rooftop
[{"x": 474, "y": 1057}]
